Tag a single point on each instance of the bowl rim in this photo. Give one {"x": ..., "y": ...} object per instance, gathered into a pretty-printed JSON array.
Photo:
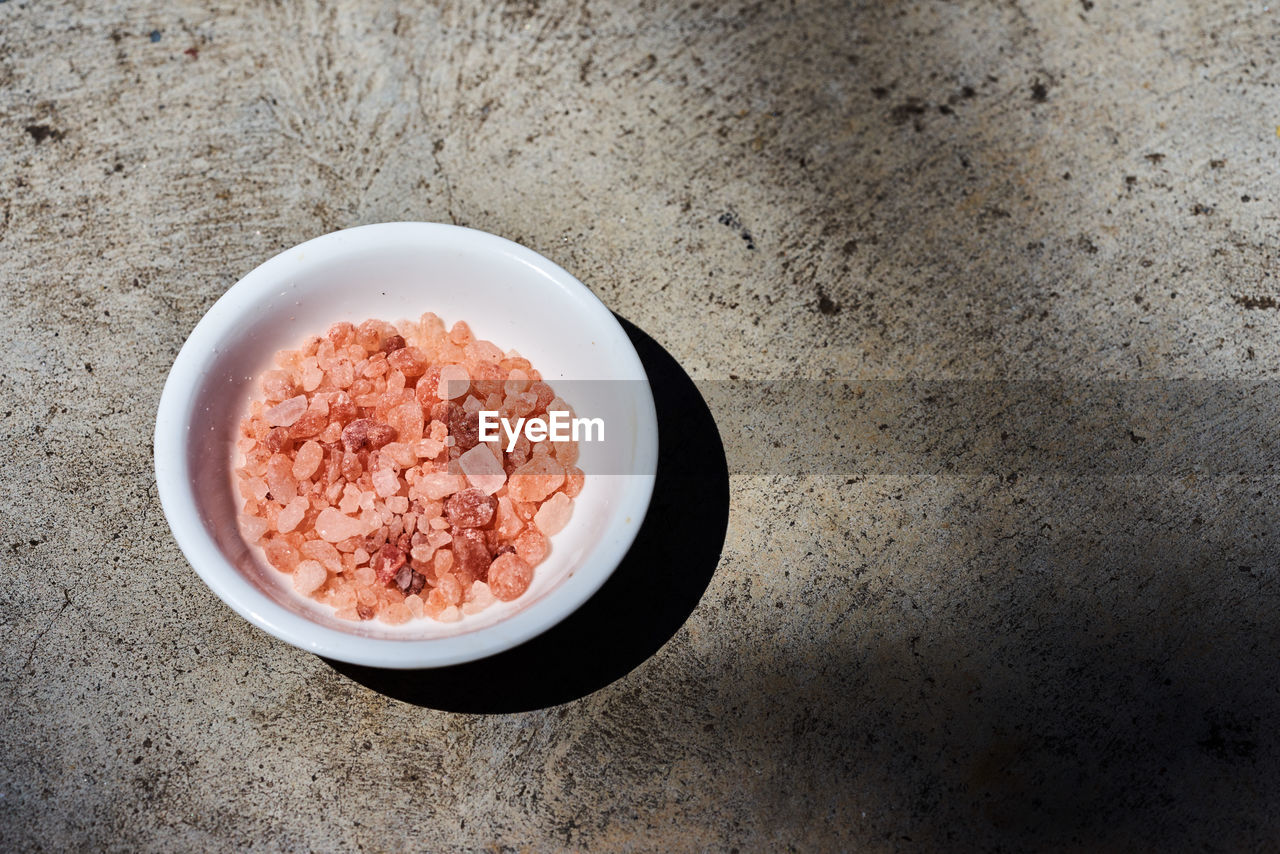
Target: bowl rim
[{"x": 177, "y": 494}]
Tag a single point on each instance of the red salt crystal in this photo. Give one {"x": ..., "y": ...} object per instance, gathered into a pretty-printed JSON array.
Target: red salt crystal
[
  {"x": 365, "y": 612},
  {"x": 536, "y": 479},
  {"x": 307, "y": 460},
  {"x": 409, "y": 361},
  {"x": 464, "y": 427},
  {"x": 470, "y": 508},
  {"x": 532, "y": 546},
  {"x": 470, "y": 553},
  {"x": 392, "y": 343},
  {"x": 509, "y": 576},
  {"x": 380, "y": 434},
  {"x": 286, "y": 413},
  {"x": 341, "y": 408},
  {"x": 313, "y": 421},
  {"x": 280, "y": 554},
  {"x": 356, "y": 434},
  {"x": 387, "y": 562}
]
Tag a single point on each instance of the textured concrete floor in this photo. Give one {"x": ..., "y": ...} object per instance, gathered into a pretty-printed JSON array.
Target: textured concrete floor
[{"x": 1079, "y": 189}]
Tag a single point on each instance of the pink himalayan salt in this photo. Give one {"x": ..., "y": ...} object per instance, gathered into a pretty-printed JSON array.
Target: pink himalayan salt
[
  {"x": 509, "y": 576},
  {"x": 508, "y": 524},
  {"x": 308, "y": 460},
  {"x": 482, "y": 469},
  {"x": 278, "y": 385},
  {"x": 454, "y": 382},
  {"x": 554, "y": 514},
  {"x": 280, "y": 554},
  {"x": 478, "y": 598},
  {"x": 286, "y": 413},
  {"x": 536, "y": 479},
  {"x": 385, "y": 383},
  {"x": 280, "y": 478},
  {"x": 253, "y": 528},
  {"x": 292, "y": 514},
  {"x": 407, "y": 421},
  {"x": 414, "y": 603},
  {"x": 323, "y": 552},
  {"x": 532, "y": 546},
  {"x": 436, "y": 485},
  {"x": 449, "y": 615},
  {"x": 335, "y": 527},
  {"x": 385, "y": 480},
  {"x": 308, "y": 577},
  {"x": 395, "y": 614}
]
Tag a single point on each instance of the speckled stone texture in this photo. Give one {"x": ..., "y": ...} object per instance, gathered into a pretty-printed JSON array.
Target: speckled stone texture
[{"x": 973, "y": 189}]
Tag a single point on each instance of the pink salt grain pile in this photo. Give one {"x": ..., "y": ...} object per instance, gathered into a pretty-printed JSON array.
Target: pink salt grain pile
[{"x": 363, "y": 476}]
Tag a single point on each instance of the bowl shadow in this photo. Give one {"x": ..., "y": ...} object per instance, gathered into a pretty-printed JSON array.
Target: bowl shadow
[{"x": 644, "y": 602}]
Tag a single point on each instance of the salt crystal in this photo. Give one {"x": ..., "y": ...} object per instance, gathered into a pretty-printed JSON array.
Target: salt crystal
[
  {"x": 396, "y": 614},
  {"x": 470, "y": 508},
  {"x": 478, "y": 598},
  {"x": 308, "y": 460},
  {"x": 414, "y": 603},
  {"x": 308, "y": 577},
  {"x": 286, "y": 413},
  {"x": 531, "y": 546},
  {"x": 398, "y": 504},
  {"x": 292, "y": 514},
  {"x": 334, "y": 526},
  {"x": 536, "y": 479},
  {"x": 253, "y": 528},
  {"x": 509, "y": 576},
  {"x": 554, "y": 514},
  {"x": 323, "y": 552},
  {"x": 449, "y": 615},
  {"x": 508, "y": 523},
  {"x": 279, "y": 477},
  {"x": 482, "y": 469},
  {"x": 436, "y": 485},
  {"x": 454, "y": 382}
]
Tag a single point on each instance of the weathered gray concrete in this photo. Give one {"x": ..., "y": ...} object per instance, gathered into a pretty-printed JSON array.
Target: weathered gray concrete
[{"x": 971, "y": 189}]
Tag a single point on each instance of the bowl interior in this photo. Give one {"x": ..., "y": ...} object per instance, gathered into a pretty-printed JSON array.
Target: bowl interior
[{"x": 507, "y": 294}]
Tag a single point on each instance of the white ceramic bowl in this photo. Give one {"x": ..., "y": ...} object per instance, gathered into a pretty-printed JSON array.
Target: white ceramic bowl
[{"x": 508, "y": 294}]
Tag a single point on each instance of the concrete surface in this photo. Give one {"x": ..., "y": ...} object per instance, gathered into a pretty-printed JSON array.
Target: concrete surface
[{"x": 970, "y": 189}]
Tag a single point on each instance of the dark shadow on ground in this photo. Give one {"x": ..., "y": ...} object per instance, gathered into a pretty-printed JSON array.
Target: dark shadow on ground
[{"x": 644, "y": 602}]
